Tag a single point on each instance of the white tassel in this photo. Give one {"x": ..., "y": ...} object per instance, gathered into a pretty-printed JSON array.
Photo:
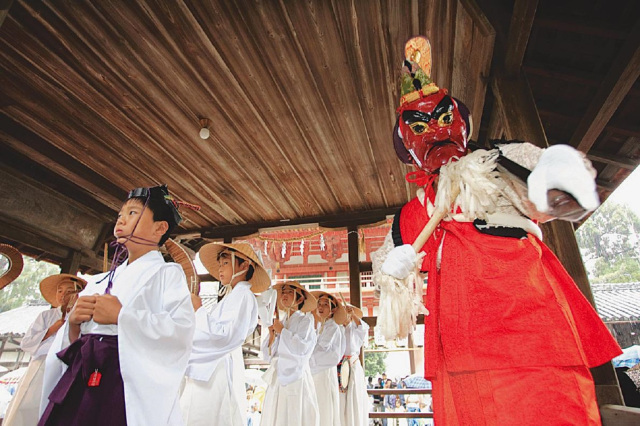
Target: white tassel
[
  {"x": 322, "y": 245},
  {"x": 284, "y": 249},
  {"x": 479, "y": 185},
  {"x": 302, "y": 247}
]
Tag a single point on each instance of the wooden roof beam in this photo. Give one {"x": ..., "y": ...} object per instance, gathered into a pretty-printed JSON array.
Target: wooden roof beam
[
  {"x": 519, "y": 32},
  {"x": 616, "y": 160},
  {"x": 5, "y": 5},
  {"x": 330, "y": 221},
  {"x": 621, "y": 76}
]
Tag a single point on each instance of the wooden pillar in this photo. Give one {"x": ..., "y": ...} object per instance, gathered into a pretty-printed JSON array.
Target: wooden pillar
[
  {"x": 355, "y": 289},
  {"x": 71, "y": 264},
  {"x": 521, "y": 121}
]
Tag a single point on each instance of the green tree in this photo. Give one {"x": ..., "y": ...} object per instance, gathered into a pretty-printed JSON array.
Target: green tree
[
  {"x": 610, "y": 244},
  {"x": 374, "y": 363},
  {"x": 25, "y": 289}
]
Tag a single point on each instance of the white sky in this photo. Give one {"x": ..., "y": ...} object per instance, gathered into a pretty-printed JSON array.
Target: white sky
[{"x": 629, "y": 192}]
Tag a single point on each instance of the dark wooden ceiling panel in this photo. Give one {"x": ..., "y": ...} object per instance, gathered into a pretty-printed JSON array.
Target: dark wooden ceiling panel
[{"x": 98, "y": 98}]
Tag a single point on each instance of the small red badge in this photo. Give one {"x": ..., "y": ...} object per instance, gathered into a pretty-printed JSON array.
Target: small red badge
[{"x": 94, "y": 379}]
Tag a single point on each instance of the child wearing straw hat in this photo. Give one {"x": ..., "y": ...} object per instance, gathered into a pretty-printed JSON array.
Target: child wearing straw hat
[
  {"x": 59, "y": 291},
  {"x": 208, "y": 397},
  {"x": 291, "y": 395},
  {"x": 330, "y": 316},
  {"x": 121, "y": 356},
  {"x": 354, "y": 403}
]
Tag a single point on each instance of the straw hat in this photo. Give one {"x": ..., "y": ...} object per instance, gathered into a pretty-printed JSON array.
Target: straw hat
[
  {"x": 357, "y": 312},
  {"x": 184, "y": 257},
  {"x": 15, "y": 264},
  {"x": 260, "y": 280},
  {"x": 49, "y": 286},
  {"x": 340, "y": 315},
  {"x": 310, "y": 301}
]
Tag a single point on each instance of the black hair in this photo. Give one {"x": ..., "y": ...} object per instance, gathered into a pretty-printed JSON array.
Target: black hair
[
  {"x": 160, "y": 204},
  {"x": 240, "y": 260}
]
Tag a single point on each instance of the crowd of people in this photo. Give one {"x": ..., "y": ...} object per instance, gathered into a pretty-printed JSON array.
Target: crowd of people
[
  {"x": 134, "y": 346},
  {"x": 398, "y": 403}
]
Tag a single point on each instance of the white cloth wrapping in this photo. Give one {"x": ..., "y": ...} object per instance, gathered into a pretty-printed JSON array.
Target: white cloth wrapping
[
  {"x": 218, "y": 336},
  {"x": 291, "y": 398},
  {"x": 324, "y": 360},
  {"x": 155, "y": 330},
  {"x": 25, "y": 404},
  {"x": 354, "y": 404}
]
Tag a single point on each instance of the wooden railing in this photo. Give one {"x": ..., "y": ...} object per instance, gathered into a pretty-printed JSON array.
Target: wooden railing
[{"x": 405, "y": 415}]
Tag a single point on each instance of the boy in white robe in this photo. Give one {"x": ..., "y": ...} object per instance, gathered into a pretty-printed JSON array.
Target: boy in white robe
[
  {"x": 354, "y": 403},
  {"x": 126, "y": 344},
  {"x": 57, "y": 290},
  {"x": 208, "y": 397},
  {"x": 290, "y": 398},
  {"x": 330, "y": 316}
]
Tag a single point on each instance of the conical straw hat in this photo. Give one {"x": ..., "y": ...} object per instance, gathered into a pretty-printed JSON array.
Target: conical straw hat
[
  {"x": 49, "y": 286},
  {"x": 357, "y": 312},
  {"x": 310, "y": 301},
  {"x": 260, "y": 280},
  {"x": 340, "y": 315}
]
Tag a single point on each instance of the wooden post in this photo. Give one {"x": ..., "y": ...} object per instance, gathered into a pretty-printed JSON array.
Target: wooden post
[
  {"x": 71, "y": 264},
  {"x": 355, "y": 296},
  {"x": 521, "y": 121}
]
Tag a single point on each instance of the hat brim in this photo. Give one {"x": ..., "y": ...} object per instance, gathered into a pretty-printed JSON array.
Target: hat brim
[
  {"x": 260, "y": 281},
  {"x": 16, "y": 263},
  {"x": 310, "y": 302},
  {"x": 356, "y": 311},
  {"x": 49, "y": 286},
  {"x": 340, "y": 315}
]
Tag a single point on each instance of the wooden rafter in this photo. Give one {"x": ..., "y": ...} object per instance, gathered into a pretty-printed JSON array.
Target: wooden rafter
[
  {"x": 5, "y": 5},
  {"x": 519, "y": 31},
  {"x": 616, "y": 160},
  {"x": 621, "y": 76}
]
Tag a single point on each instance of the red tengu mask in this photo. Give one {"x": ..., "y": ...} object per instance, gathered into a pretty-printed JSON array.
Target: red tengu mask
[{"x": 431, "y": 130}]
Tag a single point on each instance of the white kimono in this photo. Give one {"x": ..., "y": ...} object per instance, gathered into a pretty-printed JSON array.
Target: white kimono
[
  {"x": 323, "y": 363},
  {"x": 354, "y": 404},
  {"x": 291, "y": 396},
  {"x": 155, "y": 330},
  {"x": 208, "y": 397},
  {"x": 25, "y": 404}
]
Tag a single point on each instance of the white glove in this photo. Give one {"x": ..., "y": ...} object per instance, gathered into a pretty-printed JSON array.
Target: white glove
[
  {"x": 401, "y": 261},
  {"x": 562, "y": 167}
]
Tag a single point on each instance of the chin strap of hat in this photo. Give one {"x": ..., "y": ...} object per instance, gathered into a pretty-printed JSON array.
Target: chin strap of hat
[{"x": 226, "y": 288}]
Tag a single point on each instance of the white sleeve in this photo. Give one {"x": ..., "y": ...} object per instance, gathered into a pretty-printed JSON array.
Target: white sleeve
[
  {"x": 225, "y": 329},
  {"x": 33, "y": 337},
  {"x": 328, "y": 350},
  {"x": 360, "y": 334},
  {"x": 523, "y": 153},
  {"x": 299, "y": 338},
  {"x": 155, "y": 333}
]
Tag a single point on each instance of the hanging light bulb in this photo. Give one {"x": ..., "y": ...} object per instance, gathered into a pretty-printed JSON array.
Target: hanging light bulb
[{"x": 204, "y": 128}]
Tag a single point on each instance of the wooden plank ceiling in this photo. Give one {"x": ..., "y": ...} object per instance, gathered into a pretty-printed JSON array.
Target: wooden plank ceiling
[{"x": 98, "y": 97}]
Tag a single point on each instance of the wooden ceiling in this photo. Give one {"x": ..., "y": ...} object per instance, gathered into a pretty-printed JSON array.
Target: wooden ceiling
[{"x": 100, "y": 97}]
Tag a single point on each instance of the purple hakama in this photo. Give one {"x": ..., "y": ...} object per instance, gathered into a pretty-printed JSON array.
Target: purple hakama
[{"x": 73, "y": 402}]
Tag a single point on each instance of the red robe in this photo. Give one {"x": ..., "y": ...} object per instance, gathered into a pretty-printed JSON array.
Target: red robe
[{"x": 505, "y": 306}]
